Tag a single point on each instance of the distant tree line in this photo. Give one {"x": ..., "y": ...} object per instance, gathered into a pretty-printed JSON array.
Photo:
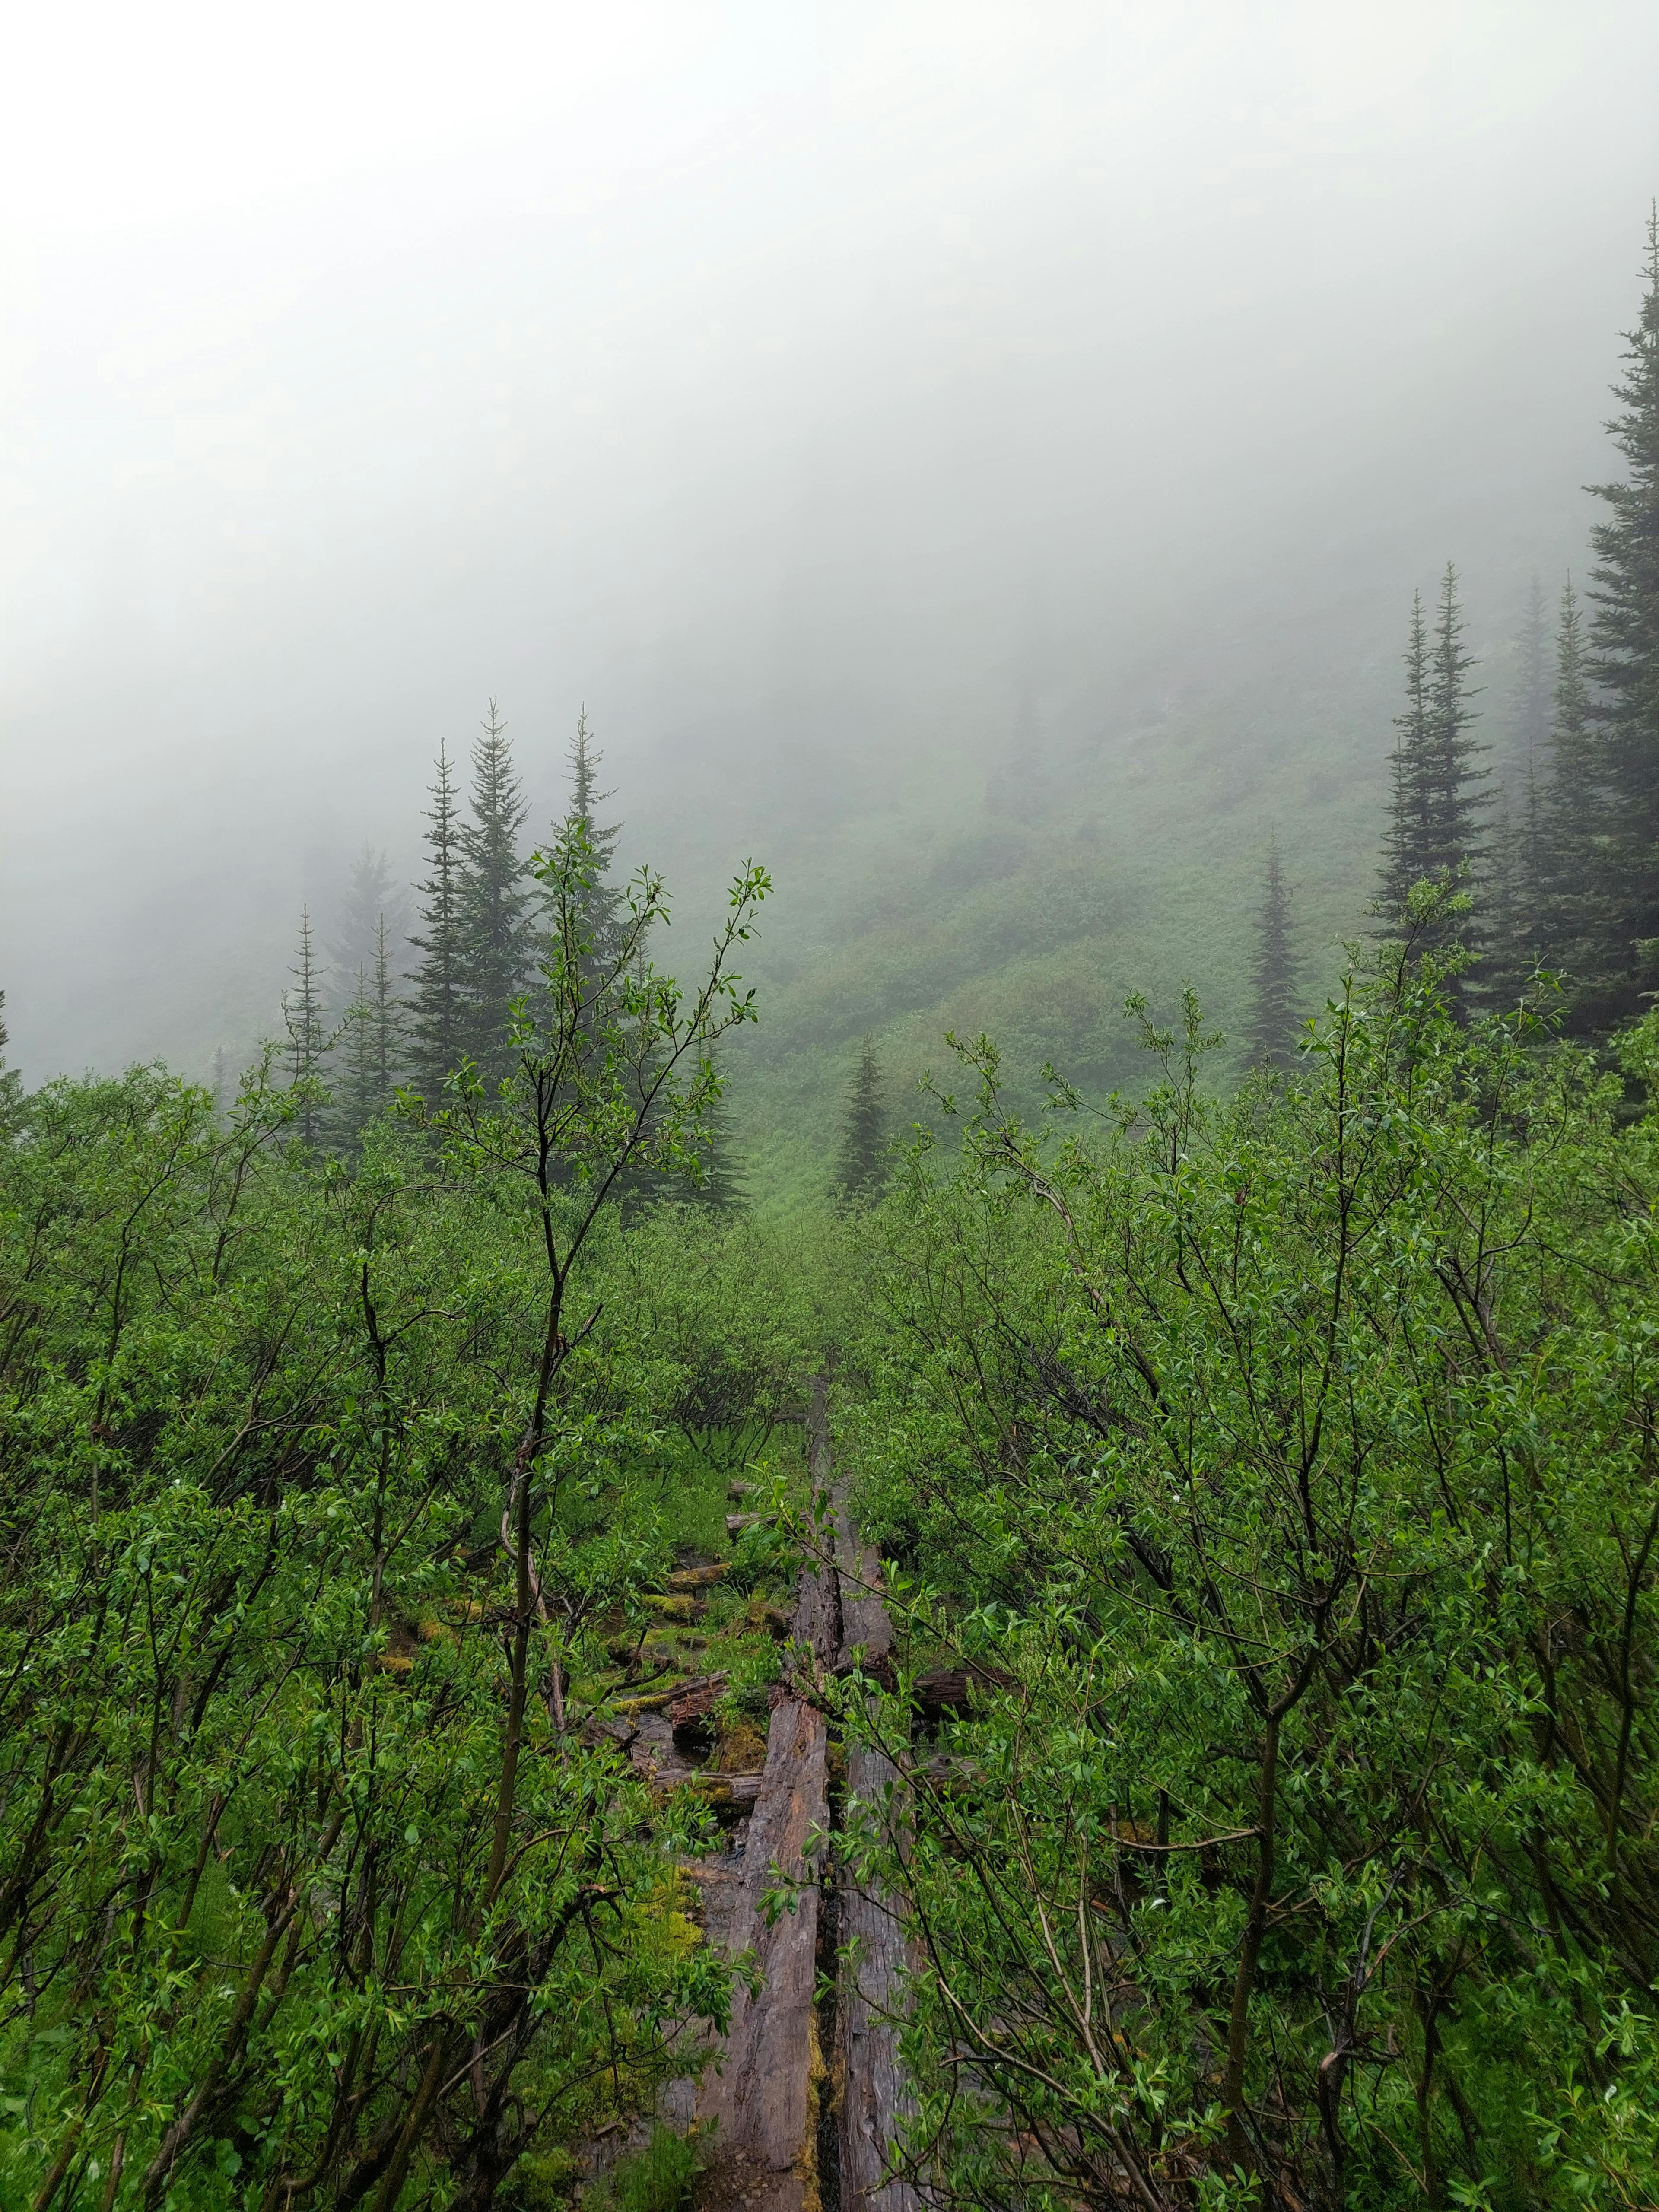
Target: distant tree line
[{"x": 1548, "y": 866}]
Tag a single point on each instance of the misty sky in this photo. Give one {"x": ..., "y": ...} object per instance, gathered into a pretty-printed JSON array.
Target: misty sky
[{"x": 808, "y": 389}]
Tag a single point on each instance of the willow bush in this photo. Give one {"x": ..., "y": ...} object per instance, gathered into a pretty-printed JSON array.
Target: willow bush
[{"x": 1282, "y": 1475}]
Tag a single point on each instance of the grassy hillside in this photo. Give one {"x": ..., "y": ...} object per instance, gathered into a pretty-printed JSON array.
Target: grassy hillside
[{"x": 1027, "y": 897}]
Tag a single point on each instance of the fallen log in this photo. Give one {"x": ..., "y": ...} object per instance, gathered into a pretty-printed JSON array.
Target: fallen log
[
  {"x": 873, "y": 2097},
  {"x": 737, "y": 1522},
  {"x": 695, "y": 1578},
  {"x": 763, "y": 2095}
]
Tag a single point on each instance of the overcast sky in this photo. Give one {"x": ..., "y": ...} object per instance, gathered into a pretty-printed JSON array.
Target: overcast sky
[{"x": 794, "y": 385}]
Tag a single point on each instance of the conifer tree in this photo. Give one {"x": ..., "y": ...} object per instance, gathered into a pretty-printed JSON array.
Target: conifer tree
[
  {"x": 370, "y": 1049},
  {"x": 1577, "y": 899},
  {"x": 1411, "y": 803},
  {"x": 1434, "y": 828},
  {"x": 861, "y": 1166},
  {"x": 11, "y": 1083},
  {"x": 602, "y": 914},
  {"x": 308, "y": 1041},
  {"x": 356, "y": 1103},
  {"x": 370, "y": 902},
  {"x": 1626, "y": 665},
  {"x": 1460, "y": 800},
  {"x": 437, "y": 1016},
  {"x": 387, "y": 1021},
  {"x": 1533, "y": 691},
  {"x": 496, "y": 950},
  {"x": 1272, "y": 1024}
]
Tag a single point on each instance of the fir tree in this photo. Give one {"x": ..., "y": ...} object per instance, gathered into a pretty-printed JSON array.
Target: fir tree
[
  {"x": 437, "y": 1015},
  {"x": 370, "y": 1049},
  {"x": 496, "y": 951},
  {"x": 1435, "y": 830},
  {"x": 1410, "y": 804},
  {"x": 308, "y": 1041},
  {"x": 1514, "y": 900},
  {"x": 1272, "y": 1024},
  {"x": 387, "y": 1021},
  {"x": 1625, "y": 667},
  {"x": 603, "y": 917},
  {"x": 1532, "y": 691},
  {"x": 370, "y": 902},
  {"x": 11, "y": 1083},
  {"x": 1576, "y": 893},
  {"x": 1460, "y": 801},
  {"x": 355, "y": 1102},
  {"x": 861, "y": 1168}
]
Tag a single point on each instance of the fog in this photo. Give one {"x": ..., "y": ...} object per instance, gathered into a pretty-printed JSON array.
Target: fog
[{"x": 824, "y": 395}]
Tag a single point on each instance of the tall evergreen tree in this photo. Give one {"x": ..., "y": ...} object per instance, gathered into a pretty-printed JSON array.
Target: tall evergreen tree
[
  {"x": 308, "y": 1041},
  {"x": 1577, "y": 892},
  {"x": 437, "y": 1015},
  {"x": 1271, "y": 1026},
  {"x": 497, "y": 952},
  {"x": 603, "y": 915},
  {"x": 355, "y": 1100},
  {"x": 1532, "y": 715},
  {"x": 370, "y": 1049},
  {"x": 1625, "y": 667},
  {"x": 1409, "y": 840},
  {"x": 861, "y": 1166},
  {"x": 1460, "y": 800},
  {"x": 387, "y": 1020},
  {"x": 1436, "y": 832},
  {"x": 371, "y": 901},
  {"x": 11, "y": 1083}
]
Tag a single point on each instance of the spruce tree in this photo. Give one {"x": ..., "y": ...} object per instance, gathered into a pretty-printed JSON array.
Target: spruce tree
[
  {"x": 1460, "y": 801},
  {"x": 1514, "y": 900},
  {"x": 1626, "y": 665},
  {"x": 861, "y": 1166},
  {"x": 437, "y": 1014},
  {"x": 356, "y": 1103},
  {"x": 1271, "y": 1025},
  {"x": 370, "y": 1049},
  {"x": 370, "y": 902},
  {"x": 1436, "y": 833},
  {"x": 603, "y": 915},
  {"x": 11, "y": 1083},
  {"x": 1576, "y": 889},
  {"x": 308, "y": 1041},
  {"x": 386, "y": 1020},
  {"x": 1408, "y": 842},
  {"x": 496, "y": 950},
  {"x": 1532, "y": 717}
]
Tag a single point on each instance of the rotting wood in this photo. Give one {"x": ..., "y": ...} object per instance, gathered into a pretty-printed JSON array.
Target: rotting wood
[
  {"x": 763, "y": 2096},
  {"x": 873, "y": 2095},
  {"x": 873, "y": 2098},
  {"x": 696, "y": 1578},
  {"x": 737, "y": 1522}
]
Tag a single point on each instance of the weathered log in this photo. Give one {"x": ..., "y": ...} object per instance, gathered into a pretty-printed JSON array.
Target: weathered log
[
  {"x": 695, "y": 1578},
  {"x": 763, "y": 2096},
  {"x": 873, "y": 2094}
]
